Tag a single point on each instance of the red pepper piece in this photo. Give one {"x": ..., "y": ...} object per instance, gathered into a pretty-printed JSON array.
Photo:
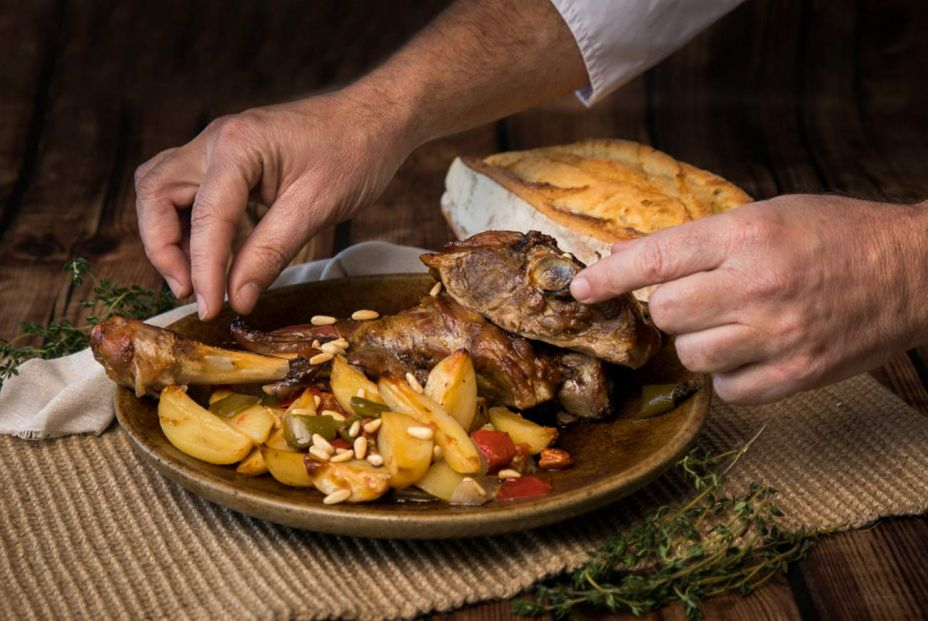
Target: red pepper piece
[
  {"x": 339, "y": 443},
  {"x": 523, "y": 487},
  {"x": 496, "y": 447}
]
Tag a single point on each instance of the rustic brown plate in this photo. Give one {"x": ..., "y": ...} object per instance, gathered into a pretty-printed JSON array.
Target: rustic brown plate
[{"x": 613, "y": 458}]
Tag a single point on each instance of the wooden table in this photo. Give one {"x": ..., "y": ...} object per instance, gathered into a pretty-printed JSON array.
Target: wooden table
[{"x": 780, "y": 96}]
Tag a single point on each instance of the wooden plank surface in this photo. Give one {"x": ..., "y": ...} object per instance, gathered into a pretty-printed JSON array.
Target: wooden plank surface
[{"x": 779, "y": 96}]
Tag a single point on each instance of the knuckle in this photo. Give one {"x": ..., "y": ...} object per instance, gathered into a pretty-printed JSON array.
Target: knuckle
[
  {"x": 230, "y": 131},
  {"x": 651, "y": 261},
  {"x": 731, "y": 391},
  {"x": 751, "y": 229},
  {"x": 270, "y": 257},
  {"x": 660, "y": 308}
]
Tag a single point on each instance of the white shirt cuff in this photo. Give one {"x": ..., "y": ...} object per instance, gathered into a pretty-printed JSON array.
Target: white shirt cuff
[{"x": 620, "y": 39}]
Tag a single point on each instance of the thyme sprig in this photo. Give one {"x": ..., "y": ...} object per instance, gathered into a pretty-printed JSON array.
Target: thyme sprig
[
  {"x": 682, "y": 553},
  {"x": 61, "y": 337}
]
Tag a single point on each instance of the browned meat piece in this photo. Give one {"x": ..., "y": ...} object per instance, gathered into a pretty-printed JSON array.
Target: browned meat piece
[
  {"x": 147, "y": 359},
  {"x": 584, "y": 390},
  {"x": 521, "y": 283},
  {"x": 508, "y": 370}
]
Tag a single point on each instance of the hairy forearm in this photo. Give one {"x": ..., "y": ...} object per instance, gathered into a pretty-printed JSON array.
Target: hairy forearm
[{"x": 478, "y": 61}]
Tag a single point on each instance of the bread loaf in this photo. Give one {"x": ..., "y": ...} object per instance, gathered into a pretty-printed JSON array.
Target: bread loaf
[{"x": 586, "y": 195}]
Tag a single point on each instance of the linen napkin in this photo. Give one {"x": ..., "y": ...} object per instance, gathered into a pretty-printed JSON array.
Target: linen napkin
[{"x": 53, "y": 398}]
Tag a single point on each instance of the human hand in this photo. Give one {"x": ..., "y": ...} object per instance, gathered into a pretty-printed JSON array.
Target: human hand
[
  {"x": 781, "y": 295},
  {"x": 312, "y": 161}
]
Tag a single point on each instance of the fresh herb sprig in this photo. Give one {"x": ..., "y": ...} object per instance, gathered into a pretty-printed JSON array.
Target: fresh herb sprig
[
  {"x": 684, "y": 553},
  {"x": 61, "y": 337}
]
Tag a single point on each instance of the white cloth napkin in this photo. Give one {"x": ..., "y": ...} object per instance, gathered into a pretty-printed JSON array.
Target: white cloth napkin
[{"x": 52, "y": 398}]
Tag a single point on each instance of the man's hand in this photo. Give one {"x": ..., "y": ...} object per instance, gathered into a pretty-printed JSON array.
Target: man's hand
[
  {"x": 313, "y": 162},
  {"x": 782, "y": 295}
]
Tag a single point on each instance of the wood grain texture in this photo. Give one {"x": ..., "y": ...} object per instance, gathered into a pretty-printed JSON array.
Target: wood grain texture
[{"x": 778, "y": 96}]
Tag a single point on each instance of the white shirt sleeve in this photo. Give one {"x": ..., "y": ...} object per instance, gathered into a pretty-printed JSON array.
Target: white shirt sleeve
[{"x": 620, "y": 39}]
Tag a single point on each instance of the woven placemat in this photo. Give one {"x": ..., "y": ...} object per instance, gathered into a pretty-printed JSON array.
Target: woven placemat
[{"x": 87, "y": 530}]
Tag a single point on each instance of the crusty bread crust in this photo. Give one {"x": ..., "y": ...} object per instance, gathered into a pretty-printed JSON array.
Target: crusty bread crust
[{"x": 609, "y": 190}]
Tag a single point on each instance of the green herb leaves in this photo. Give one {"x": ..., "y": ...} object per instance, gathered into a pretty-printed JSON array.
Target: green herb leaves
[
  {"x": 708, "y": 545},
  {"x": 60, "y": 338}
]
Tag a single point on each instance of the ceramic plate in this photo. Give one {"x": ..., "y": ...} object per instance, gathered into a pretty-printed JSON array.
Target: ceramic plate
[{"x": 612, "y": 458}]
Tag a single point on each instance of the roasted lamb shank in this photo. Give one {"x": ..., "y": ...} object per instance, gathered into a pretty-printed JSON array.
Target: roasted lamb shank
[
  {"x": 146, "y": 359},
  {"x": 521, "y": 283},
  {"x": 509, "y": 369}
]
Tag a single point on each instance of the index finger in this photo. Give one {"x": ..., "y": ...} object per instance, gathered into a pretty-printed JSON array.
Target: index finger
[{"x": 660, "y": 257}]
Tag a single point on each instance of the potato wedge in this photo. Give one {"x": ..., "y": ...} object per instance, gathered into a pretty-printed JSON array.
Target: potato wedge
[
  {"x": 253, "y": 465},
  {"x": 364, "y": 480},
  {"x": 278, "y": 442},
  {"x": 305, "y": 403},
  {"x": 406, "y": 458},
  {"x": 219, "y": 394},
  {"x": 452, "y": 384},
  {"x": 255, "y": 422},
  {"x": 347, "y": 380},
  {"x": 458, "y": 449},
  {"x": 198, "y": 432},
  {"x": 521, "y": 430},
  {"x": 440, "y": 481},
  {"x": 287, "y": 467}
]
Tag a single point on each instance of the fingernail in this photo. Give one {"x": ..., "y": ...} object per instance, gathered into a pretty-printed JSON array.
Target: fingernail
[
  {"x": 580, "y": 288},
  {"x": 247, "y": 295},
  {"x": 202, "y": 308},
  {"x": 174, "y": 286}
]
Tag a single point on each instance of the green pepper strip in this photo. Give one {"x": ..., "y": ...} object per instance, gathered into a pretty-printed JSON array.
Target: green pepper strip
[
  {"x": 228, "y": 407},
  {"x": 658, "y": 399},
  {"x": 367, "y": 408},
  {"x": 299, "y": 429}
]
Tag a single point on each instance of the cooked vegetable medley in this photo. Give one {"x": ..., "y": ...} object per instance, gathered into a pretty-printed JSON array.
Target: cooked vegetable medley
[{"x": 355, "y": 438}]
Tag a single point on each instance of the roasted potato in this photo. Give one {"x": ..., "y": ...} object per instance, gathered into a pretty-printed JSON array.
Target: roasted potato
[
  {"x": 253, "y": 465},
  {"x": 256, "y": 422},
  {"x": 346, "y": 381},
  {"x": 364, "y": 480},
  {"x": 521, "y": 430},
  {"x": 458, "y": 449},
  {"x": 440, "y": 481},
  {"x": 452, "y": 384},
  {"x": 405, "y": 457},
  {"x": 287, "y": 467},
  {"x": 198, "y": 432}
]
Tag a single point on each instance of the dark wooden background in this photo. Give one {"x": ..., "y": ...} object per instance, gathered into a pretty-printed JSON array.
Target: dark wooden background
[{"x": 780, "y": 96}]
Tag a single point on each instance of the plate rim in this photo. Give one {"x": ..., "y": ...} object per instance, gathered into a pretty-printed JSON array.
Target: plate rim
[{"x": 397, "y": 523}]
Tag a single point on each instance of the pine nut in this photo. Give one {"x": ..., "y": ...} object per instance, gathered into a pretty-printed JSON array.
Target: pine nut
[
  {"x": 373, "y": 426},
  {"x": 319, "y": 453},
  {"x": 322, "y": 444},
  {"x": 414, "y": 383},
  {"x": 330, "y": 348},
  {"x": 421, "y": 433},
  {"x": 362, "y": 393},
  {"x": 336, "y": 415},
  {"x": 364, "y": 315},
  {"x": 316, "y": 344},
  {"x": 437, "y": 453},
  {"x": 320, "y": 358},
  {"x": 435, "y": 290},
  {"x": 477, "y": 487},
  {"x": 342, "y": 457},
  {"x": 509, "y": 473},
  {"x": 336, "y": 497},
  {"x": 355, "y": 429},
  {"x": 374, "y": 459},
  {"x": 360, "y": 447}
]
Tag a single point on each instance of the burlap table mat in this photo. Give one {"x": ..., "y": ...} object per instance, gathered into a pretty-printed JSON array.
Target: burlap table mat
[{"x": 87, "y": 530}]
